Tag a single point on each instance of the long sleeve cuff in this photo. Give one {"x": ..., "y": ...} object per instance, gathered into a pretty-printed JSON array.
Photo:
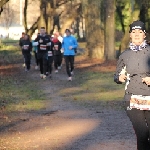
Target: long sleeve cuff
[{"x": 116, "y": 79}]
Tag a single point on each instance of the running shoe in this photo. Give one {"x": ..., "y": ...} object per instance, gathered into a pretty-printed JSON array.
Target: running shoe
[
  {"x": 36, "y": 67},
  {"x": 69, "y": 78},
  {"x": 24, "y": 65},
  {"x": 59, "y": 67},
  {"x": 41, "y": 75},
  {"x": 72, "y": 73},
  {"x": 56, "y": 71},
  {"x": 44, "y": 76}
]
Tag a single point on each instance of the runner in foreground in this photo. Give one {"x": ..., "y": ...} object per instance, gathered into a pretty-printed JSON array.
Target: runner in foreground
[{"x": 133, "y": 67}]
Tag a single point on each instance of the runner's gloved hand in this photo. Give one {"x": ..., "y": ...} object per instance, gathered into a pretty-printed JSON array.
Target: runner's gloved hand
[
  {"x": 146, "y": 80},
  {"x": 122, "y": 78}
]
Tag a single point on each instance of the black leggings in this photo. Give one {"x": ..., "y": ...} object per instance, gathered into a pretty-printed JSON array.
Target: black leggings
[
  {"x": 50, "y": 62},
  {"x": 42, "y": 59},
  {"x": 36, "y": 58},
  {"x": 57, "y": 61},
  {"x": 141, "y": 123},
  {"x": 69, "y": 60},
  {"x": 27, "y": 57}
]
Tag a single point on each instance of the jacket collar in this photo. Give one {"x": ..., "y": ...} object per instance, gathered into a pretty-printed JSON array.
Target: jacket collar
[{"x": 137, "y": 47}]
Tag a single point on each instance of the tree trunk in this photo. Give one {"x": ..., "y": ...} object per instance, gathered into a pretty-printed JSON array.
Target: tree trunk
[
  {"x": 67, "y": 24},
  {"x": 94, "y": 33},
  {"x": 25, "y": 16},
  {"x": 49, "y": 12},
  {"x": 33, "y": 28},
  {"x": 85, "y": 15},
  {"x": 148, "y": 22},
  {"x": 72, "y": 15},
  {"x": 42, "y": 21},
  {"x": 109, "y": 29},
  {"x": 2, "y": 3},
  {"x": 145, "y": 17},
  {"x": 54, "y": 4},
  {"x": 133, "y": 16}
]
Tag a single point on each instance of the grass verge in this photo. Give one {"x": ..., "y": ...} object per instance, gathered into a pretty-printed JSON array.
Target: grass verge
[
  {"x": 94, "y": 85},
  {"x": 18, "y": 91}
]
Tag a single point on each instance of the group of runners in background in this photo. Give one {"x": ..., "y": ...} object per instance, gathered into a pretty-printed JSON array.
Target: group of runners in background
[{"x": 48, "y": 51}]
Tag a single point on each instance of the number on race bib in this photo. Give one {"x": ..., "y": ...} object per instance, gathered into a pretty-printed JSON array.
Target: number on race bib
[
  {"x": 50, "y": 53},
  {"x": 42, "y": 47},
  {"x": 25, "y": 47},
  {"x": 56, "y": 47}
]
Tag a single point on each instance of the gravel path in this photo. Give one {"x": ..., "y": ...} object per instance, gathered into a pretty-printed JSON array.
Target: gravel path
[{"x": 67, "y": 125}]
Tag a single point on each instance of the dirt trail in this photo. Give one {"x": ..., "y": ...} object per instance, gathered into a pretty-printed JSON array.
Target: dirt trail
[{"x": 66, "y": 125}]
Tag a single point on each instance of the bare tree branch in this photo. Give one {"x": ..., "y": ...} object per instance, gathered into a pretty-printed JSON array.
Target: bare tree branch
[
  {"x": 25, "y": 15},
  {"x": 62, "y": 2},
  {"x": 7, "y": 16},
  {"x": 34, "y": 27},
  {"x": 1, "y": 10},
  {"x": 2, "y": 3}
]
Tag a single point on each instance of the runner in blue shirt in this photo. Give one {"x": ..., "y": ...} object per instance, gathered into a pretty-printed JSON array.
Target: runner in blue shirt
[{"x": 68, "y": 45}]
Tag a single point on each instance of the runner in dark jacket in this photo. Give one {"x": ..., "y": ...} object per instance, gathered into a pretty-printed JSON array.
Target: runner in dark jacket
[
  {"x": 42, "y": 41},
  {"x": 133, "y": 67},
  {"x": 21, "y": 39},
  {"x": 20, "y": 44},
  {"x": 26, "y": 49},
  {"x": 60, "y": 38},
  {"x": 50, "y": 59},
  {"x": 56, "y": 47}
]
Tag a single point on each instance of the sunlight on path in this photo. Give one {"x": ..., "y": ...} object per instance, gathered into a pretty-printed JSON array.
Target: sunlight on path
[{"x": 63, "y": 132}]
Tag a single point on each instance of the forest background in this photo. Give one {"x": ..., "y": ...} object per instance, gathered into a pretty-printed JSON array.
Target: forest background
[{"x": 102, "y": 24}]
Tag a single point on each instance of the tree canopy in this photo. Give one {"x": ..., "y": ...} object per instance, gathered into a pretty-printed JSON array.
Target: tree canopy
[{"x": 102, "y": 24}]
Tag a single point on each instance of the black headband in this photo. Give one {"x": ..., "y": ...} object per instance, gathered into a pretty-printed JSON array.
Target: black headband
[{"x": 137, "y": 25}]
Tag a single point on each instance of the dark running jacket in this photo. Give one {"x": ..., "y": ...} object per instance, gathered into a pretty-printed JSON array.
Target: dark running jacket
[
  {"x": 56, "y": 47},
  {"x": 20, "y": 41},
  {"x": 26, "y": 46},
  {"x": 137, "y": 66},
  {"x": 42, "y": 46}
]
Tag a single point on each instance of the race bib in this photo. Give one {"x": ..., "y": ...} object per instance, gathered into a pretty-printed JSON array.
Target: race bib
[
  {"x": 56, "y": 47},
  {"x": 140, "y": 102},
  {"x": 50, "y": 53},
  {"x": 25, "y": 47},
  {"x": 42, "y": 47}
]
